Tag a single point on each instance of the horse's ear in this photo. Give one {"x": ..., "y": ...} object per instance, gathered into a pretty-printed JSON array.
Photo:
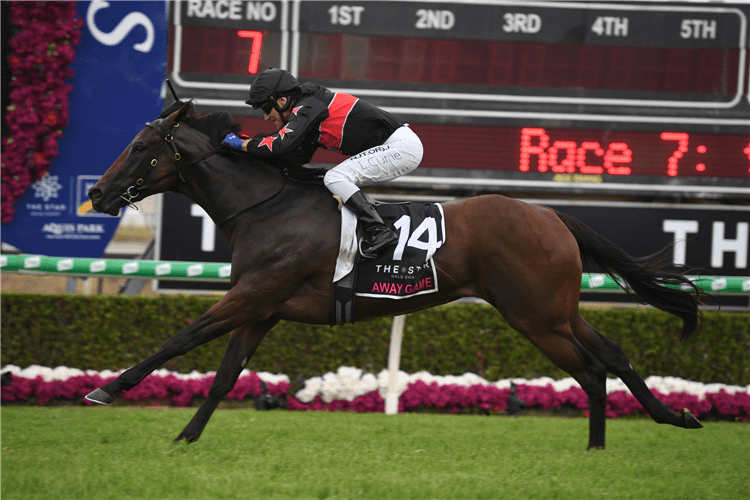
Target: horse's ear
[{"x": 178, "y": 115}]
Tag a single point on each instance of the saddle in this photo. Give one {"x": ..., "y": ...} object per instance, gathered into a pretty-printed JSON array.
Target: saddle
[
  {"x": 402, "y": 270},
  {"x": 306, "y": 174}
]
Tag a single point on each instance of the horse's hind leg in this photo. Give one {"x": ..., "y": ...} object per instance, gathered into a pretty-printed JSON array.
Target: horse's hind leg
[
  {"x": 559, "y": 345},
  {"x": 614, "y": 359},
  {"x": 545, "y": 321},
  {"x": 242, "y": 345}
]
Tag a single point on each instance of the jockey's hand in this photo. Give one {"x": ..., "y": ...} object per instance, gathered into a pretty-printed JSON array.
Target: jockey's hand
[{"x": 233, "y": 141}]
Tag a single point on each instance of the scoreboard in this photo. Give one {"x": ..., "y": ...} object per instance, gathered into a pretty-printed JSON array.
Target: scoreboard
[{"x": 638, "y": 98}]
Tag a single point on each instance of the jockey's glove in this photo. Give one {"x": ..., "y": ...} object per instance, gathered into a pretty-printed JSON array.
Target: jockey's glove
[{"x": 233, "y": 141}]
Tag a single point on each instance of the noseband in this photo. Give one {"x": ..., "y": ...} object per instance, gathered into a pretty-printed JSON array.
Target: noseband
[{"x": 133, "y": 191}]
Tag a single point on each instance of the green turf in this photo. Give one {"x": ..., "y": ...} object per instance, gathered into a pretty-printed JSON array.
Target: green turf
[{"x": 67, "y": 453}]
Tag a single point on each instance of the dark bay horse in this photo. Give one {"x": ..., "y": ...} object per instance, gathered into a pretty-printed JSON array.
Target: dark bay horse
[{"x": 524, "y": 260}]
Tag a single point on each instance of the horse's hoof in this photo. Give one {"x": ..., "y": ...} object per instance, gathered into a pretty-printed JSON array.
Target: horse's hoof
[
  {"x": 100, "y": 396},
  {"x": 188, "y": 439},
  {"x": 690, "y": 421}
]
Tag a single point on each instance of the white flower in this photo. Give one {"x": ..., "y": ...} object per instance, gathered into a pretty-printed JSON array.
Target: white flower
[
  {"x": 311, "y": 389},
  {"x": 329, "y": 390},
  {"x": 270, "y": 378},
  {"x": 12, "y": 369},
  {"x": 369, "y": 383}
]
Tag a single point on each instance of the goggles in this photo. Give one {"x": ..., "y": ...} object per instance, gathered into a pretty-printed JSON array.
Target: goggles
[{"x": 266, "y": 107}]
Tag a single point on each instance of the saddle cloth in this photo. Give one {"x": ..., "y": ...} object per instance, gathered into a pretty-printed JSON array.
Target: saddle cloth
[{"x": 406, "y": 268}]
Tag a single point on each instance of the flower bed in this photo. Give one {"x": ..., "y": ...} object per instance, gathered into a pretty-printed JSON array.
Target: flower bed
[
  {"x": 351, "y": 390},
  {"x": 38, "y": 111}
]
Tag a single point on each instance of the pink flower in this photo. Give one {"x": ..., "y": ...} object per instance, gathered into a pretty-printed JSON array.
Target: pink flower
[{"x": 50, "y": 119}]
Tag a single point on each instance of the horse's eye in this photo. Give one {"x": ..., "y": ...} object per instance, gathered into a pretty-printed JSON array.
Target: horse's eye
[{"x": 139, "y": 148}]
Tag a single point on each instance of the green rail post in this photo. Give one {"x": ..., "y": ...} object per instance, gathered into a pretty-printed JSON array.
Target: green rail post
[{"x": 149, "y": 269}]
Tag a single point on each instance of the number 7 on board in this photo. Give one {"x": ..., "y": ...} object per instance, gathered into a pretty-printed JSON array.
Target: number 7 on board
[{"x": 257, "y": 37}]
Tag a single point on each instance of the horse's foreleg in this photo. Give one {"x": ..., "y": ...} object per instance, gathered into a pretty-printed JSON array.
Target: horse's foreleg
[
  {"x": 613, "y": 357},
  {"x": 242, "y": 345},
  {"x": 217, "y": 321}
]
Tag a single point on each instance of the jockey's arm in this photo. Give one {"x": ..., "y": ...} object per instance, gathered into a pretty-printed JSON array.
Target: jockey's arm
[
  {"x": 302, "y": 119},
  {"x": 300, "y": 155}
]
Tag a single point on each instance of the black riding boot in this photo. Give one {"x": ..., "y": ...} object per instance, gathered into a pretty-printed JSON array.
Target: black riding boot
[{"x": 376, "y": 234}]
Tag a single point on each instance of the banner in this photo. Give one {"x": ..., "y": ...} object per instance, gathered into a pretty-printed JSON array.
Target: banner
[{"x": 119, "y": 67}]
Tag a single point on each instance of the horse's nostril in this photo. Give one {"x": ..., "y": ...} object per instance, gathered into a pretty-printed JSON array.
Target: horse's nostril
[{"x": 95, "y": 193}]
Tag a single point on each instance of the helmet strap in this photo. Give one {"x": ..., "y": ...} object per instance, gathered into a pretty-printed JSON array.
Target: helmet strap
[{"x": 281, "y": 109}]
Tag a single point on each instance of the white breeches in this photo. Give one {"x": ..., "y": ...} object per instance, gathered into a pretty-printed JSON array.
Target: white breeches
[{"x": 399, "y": 155}]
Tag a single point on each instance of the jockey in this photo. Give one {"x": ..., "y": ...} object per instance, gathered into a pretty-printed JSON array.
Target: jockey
[{"x": 309, "y": 116}]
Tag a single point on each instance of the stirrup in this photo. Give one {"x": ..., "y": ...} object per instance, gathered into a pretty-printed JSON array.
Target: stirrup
[
  {"x": 372, "y": 254},
  {"x": 365, "y": 255}
]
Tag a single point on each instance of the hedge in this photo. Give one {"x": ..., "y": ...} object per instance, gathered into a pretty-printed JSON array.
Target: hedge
[{"x": 113, "y": 332}]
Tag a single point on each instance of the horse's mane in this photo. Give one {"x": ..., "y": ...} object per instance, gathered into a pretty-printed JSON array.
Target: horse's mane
[{"x": 215, "y": 125}]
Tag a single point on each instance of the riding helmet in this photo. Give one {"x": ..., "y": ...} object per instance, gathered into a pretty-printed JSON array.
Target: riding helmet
[{"x": 269, "y": 85}]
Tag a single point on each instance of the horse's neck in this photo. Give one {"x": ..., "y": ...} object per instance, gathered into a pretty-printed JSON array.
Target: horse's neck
[
  {"x": 220, "y": 185},
  {"x": 223, "y": 185}
]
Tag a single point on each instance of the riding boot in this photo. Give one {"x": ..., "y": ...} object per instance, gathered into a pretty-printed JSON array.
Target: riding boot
[{"x": 376, "y": 234}]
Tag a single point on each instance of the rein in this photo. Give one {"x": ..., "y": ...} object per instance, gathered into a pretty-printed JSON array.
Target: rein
[
  {"x": 247, "y": 209},
  {"x": 133, "y": 191}
]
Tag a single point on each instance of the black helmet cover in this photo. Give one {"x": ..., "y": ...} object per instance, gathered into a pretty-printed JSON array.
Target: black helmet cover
[{"x": 271, "y": 84}]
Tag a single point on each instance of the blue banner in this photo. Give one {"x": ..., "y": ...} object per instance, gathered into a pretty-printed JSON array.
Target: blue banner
[{"x": 119, "y": 67}]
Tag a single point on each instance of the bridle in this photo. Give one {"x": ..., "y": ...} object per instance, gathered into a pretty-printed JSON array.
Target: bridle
[{"x": 134, "y": 191}]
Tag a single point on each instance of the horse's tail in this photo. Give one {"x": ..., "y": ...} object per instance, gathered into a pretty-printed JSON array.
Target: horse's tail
[{"x": 646, "y": 276}]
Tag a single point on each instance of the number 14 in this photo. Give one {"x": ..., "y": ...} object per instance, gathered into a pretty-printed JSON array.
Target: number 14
[{"x": 429, "y": 225}]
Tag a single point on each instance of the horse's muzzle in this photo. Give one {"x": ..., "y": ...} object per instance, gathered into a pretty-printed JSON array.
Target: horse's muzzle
[
  {"x": 95, "y": 195},
  {"x": 97, "y": 202}
]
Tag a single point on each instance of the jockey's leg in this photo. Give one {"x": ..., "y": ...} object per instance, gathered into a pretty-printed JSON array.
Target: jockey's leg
[
  {"x": 399, "y": 154},
  {"x": 377, "y": 235}
]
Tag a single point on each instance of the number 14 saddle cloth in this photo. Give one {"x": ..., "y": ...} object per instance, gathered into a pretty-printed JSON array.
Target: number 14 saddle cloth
[{"x": 403, "y": 270}]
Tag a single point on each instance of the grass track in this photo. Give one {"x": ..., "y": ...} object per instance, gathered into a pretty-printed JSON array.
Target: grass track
[{"x": 118, "y": 453}]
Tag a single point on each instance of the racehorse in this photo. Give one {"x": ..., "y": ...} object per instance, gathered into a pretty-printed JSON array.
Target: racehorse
[{"x": 524, "y": 260}]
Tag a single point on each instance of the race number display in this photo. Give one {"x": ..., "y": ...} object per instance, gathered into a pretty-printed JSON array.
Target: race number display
[{"x": 612, "y": 98}]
